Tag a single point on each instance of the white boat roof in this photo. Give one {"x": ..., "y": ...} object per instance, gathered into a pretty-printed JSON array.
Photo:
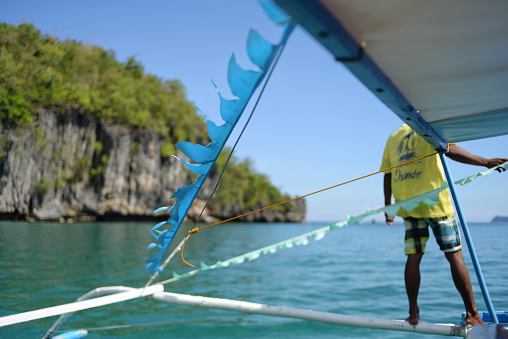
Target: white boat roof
[{"x": 441, "y": 66}]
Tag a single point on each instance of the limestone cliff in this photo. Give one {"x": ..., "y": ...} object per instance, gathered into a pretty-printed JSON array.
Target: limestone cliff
[{"x": 68, "y": 167}]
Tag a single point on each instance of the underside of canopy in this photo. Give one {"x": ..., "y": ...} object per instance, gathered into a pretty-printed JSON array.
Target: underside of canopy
[{"x": 441, "y": 66}]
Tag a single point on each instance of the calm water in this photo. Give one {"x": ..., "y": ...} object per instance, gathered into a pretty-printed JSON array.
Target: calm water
[{"x": 357, "y": 270}]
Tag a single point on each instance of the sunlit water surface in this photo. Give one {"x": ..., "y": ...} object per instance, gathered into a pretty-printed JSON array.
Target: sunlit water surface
[{"x": 356, "y": 270}]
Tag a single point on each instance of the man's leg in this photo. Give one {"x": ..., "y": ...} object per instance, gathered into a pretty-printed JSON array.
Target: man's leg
[
  {"x": 417, "y": 234},
  {"x": 412, "y": 279},
  {"x": 463, "y": 284}
]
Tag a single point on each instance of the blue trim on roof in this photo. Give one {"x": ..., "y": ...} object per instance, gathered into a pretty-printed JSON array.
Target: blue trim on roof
[{"x": 317, "y": 20}]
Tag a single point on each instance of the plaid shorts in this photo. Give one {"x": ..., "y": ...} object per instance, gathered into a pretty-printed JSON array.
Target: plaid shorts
[{"x": 445, "y": 230}]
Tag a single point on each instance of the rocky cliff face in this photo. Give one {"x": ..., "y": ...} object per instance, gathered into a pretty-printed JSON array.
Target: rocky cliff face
[{"x": 67, "y": 167}]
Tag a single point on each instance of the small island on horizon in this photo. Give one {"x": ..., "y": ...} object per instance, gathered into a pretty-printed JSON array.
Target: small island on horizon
[{"x": 499, "y": 218}]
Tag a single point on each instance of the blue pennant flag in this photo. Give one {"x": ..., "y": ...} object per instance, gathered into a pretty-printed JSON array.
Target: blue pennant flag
[{"x": 242, "y": 84}]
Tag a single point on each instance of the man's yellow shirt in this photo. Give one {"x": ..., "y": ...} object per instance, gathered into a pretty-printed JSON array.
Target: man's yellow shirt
[{"x": 417, "y": 177}]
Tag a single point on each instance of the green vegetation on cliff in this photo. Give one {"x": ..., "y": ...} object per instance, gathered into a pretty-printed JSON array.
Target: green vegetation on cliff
[{"x": 40, "y": 71}]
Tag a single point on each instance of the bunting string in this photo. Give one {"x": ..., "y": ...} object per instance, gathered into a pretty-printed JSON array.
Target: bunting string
[{"x": 429, "y": 198}]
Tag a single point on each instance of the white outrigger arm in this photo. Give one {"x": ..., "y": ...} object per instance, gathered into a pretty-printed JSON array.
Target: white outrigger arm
[
  {"x": 156, "y": 293},
  {"x": 325, "y": 317}
]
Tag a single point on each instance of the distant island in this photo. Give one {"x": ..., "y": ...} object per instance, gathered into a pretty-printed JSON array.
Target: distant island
[{"x": 499, "y": 218}]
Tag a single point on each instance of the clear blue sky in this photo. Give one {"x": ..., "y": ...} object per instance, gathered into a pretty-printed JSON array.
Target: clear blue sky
[{"x": 316, "y": 125}]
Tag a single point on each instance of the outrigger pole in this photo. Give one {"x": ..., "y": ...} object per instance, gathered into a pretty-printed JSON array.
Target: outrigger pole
[
  {"x": 155, "y": 293},
  {"x": 325, "y": 317},
  {"x": 469, "y": 240},
  {"x": 125, "y": 294}
]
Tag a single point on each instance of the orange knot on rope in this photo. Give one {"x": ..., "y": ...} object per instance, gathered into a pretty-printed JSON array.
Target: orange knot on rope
[
  {"x": 448, "y": 146},
  {"x": 192, "y": 231}
]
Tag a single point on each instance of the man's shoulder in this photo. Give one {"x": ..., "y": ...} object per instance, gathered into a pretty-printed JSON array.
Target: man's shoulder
[
  {"x": 403, "y": 130},
  {"x": 399, "y": 134}
]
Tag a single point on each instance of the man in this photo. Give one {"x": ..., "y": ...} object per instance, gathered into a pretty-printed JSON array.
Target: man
[{"x": 416, "y": 178}]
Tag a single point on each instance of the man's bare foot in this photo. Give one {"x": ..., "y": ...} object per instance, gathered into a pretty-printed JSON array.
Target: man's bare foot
[
  {"x": 414, "y": 315},
  {"x": 474, "y": 319},
  {"x": 413, "y": 319}
]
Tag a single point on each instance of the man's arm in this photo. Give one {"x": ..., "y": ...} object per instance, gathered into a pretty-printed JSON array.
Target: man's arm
[
  {"x": 461, "y": 155},
  {"x": 387, "y": 189}
]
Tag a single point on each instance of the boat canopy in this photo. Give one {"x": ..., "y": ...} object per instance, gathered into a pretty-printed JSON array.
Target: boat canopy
[{"x": 441, "y": 66}]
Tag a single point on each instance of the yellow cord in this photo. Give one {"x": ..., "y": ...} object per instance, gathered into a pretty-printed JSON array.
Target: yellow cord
[
  {"x": 192, "y": 231},
  {"x": 197, "y": 229}
]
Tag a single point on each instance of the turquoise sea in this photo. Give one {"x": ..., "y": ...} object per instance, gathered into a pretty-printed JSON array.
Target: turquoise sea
[{"x": 356, "y": 270}]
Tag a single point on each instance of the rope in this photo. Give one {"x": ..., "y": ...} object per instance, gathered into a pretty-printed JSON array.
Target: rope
[{"x": 197, "y": 229}]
